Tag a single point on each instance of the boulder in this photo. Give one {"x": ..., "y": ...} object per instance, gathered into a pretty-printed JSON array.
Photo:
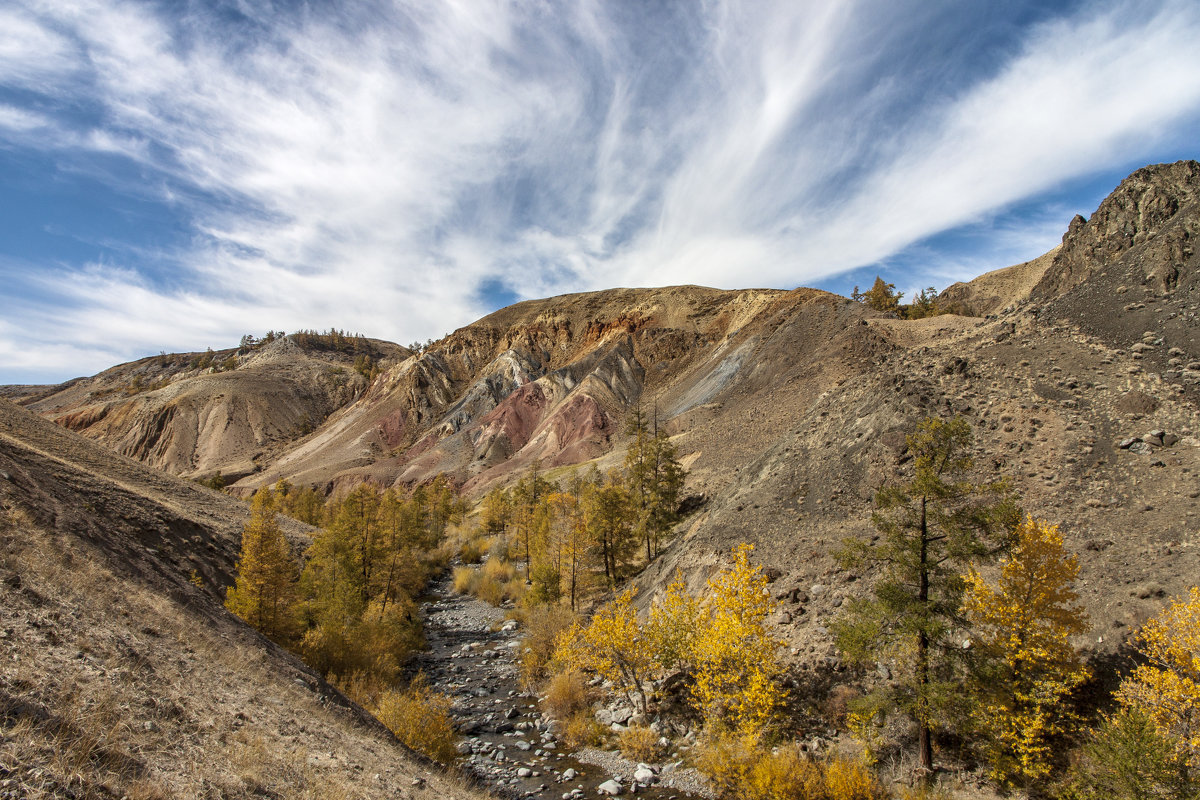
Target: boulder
[{"x": 610, "y": 788}]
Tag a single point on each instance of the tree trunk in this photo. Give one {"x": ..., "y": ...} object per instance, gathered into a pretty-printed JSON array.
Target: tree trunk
[{"x": 924, "y": 738}]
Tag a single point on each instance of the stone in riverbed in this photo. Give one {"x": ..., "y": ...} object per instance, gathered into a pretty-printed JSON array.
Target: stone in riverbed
[{"x": 610, "y": 788}]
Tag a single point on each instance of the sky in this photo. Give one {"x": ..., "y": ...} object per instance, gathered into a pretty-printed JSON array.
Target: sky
[{"x": 176, "y": 174}]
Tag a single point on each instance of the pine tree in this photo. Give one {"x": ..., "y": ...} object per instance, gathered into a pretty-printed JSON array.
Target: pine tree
[
  {"x": 882, "y": 296},
  {"x": 264, "y": 594},
  {"x": 654, "y": 478},
  {"x": 1025, "y": 623},
  {"x": 931, "y": 527}
]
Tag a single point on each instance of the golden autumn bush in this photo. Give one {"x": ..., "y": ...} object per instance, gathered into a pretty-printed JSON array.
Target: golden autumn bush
[
  {"x": 582, "y": 730},
  {"x": 639, "y": 743},
  {"x": 721, "y": 639},
  {"x": 1166, "y": 688},
  {"x": 566, "y": 694},
  {"x": 420, "y": 718},
  {"x": 741, "y": 767},
  {"x": 543, "y": 626},
  {"x": 614, "y": 646},
  {"x": 1025, "y": 623}
]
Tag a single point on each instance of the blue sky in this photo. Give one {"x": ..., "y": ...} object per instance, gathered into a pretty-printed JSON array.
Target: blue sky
[{"x": 174, "y": 175}]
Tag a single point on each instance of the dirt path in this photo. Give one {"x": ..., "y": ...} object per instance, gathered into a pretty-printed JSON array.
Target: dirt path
[{"x": 508, "y": 743}]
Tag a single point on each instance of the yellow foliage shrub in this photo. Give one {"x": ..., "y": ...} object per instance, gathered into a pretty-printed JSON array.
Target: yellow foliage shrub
[
  {"x": 1167, "y": 687},
  {"x": 783, "y": 775},
  {"x": 491, "y": 591},
  {"x": 543, "y": 625},
  {"x": 497, "y": 570},
  {"x": 465, "y": 579},
  {"x": 726, "y": 760},
  {"x": 851, "y": 779},
  {"x": 496, "y": 581},
  {"x": 566, "y": 694},
  {"x": 639, "y": 743},
  {"x": 582, "y": 730},
  {"x": 473, "y": 550},
  {"x": 420, "y": 718},
  {"x": 739, "y": 766}
]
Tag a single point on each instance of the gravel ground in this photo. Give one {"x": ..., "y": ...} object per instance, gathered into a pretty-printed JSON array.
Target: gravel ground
[{"x": 508, "y": 744}]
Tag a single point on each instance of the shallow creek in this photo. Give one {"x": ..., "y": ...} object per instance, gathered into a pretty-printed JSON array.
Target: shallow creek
[{"x": 507, "y": 743}]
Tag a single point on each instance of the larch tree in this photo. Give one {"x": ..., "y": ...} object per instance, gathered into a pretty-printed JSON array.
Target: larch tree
[
  {"x": 735, "y": 658},
  {"x": 931, "y": 528},
  {"x": 1025, "y": 623},
  {"x": 264, "y": 594},
  {"x": 1166, "y": 685},
  {"x": 609, "y": 523}
]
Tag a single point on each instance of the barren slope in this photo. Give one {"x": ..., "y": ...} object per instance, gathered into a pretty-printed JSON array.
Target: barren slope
[
  {"x": 197, "y": 420},
  {"x": 120, "y": 677}
]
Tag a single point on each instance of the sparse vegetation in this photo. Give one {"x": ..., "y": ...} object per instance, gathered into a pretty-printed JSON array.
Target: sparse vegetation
[
  {"x": 931, "y": 528},
  {"x": 639, "y": 743},
  {"x": 420, "y": 718}
]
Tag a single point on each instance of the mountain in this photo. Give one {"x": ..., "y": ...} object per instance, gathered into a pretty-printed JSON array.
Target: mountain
[
  {"x": 196, "y": 414},
  {"x": 121, "y": 674},
  {"x": 789, "y": 408}
]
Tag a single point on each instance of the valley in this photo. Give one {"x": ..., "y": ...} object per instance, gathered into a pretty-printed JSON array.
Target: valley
[{"x": 1077, "y": 374}]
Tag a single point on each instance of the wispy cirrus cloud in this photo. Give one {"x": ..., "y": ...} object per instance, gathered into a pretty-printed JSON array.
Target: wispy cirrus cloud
[{"x": 398, "y": 168}]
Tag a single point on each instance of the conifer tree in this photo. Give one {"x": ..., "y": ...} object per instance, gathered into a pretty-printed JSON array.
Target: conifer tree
[
  {"x": 264, "y": 594},
  {"x": 932, "y": 527},
  {"x": 1166, "y": 686},
  {"x": 609, "y": 523},
  {"x": 654, "y": 478},
  {"x": 1025, "y": 623},
  {"x": 882, "y": 296}
]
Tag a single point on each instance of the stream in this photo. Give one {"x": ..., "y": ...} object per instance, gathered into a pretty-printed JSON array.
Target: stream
[{"x": 507, "y": 743}]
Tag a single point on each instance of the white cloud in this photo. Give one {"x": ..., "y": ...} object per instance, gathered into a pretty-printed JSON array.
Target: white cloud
[{"x": 373, "y": 172}]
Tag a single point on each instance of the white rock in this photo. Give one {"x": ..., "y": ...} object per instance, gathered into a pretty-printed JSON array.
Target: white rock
[
  {"x": 569, "y": 774},
  {"x": 644, "y": 775},
  {"x": 610, "y": 788}
]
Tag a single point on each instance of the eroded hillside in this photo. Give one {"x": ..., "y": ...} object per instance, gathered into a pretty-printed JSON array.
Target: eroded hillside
[
  {"x": 121, "y": 677},
  {"x": 196, "y": 414}
]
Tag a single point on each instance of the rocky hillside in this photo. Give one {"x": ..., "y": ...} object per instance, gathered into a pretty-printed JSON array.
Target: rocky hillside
[
  {"x": 196, "y": 414},
  {"x": 121, "y": 675}
]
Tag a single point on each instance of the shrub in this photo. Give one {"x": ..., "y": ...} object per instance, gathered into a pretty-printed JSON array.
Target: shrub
[
  {"x": 639, "y": 743},
  {"x": 497, "y": 581},
  {"x": 543, "y": 625},
  {"x": 499, "y": 570},
  {"x": 785, "y": 774},
  {"x": 566, "y": 694},
  {"x": 739, "y": 766},
  {"x": 420, "y": 718},
  {"x": 727, "y": 760},
  {"x": 582, "y": 730},
  {"x": 472, "y": 550},
  {"x": 850, "y": 779},
  {"x": 464, "y": 579}
]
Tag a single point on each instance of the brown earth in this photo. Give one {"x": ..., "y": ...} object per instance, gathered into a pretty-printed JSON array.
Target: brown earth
[
  {"x": 121, "y": 677},
  {"x": 194, "y": 421}
]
